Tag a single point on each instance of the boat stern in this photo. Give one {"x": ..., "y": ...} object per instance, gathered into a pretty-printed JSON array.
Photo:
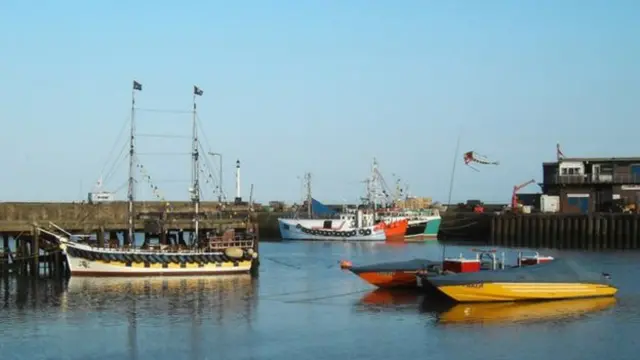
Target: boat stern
[{"x": 432, "y": 228}]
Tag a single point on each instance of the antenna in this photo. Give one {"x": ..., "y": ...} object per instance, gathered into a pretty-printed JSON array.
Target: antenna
[{"x": 131, "y": 191}]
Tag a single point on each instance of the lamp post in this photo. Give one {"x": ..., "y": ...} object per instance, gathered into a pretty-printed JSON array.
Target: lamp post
[{"x": 219, "y": 175}]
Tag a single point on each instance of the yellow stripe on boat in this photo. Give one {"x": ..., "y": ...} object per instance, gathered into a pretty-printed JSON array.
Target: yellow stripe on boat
[
  {"x": 227, "y": 264},
  {"x": 525, "y": 291}
]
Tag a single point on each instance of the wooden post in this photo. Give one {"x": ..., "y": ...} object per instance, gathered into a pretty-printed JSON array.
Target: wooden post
[
  {"x": 634, "y": 232},
  {"x": 35, "y": 252},
  {"x": 113, "y": 238},
  {"x": 4, "y": 262},
  {"x": 100, "y": 236},
  {"x": 627, "y": 231},
  {"x": 493, "y": 230},
  {"x": 604, "y": 242}
]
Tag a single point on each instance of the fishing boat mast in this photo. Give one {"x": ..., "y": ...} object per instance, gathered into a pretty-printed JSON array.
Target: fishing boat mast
[
  {"x": 130, "y": 193},
  {"x": 195, "y": 187},
  {"x": 307, "y": 178}
]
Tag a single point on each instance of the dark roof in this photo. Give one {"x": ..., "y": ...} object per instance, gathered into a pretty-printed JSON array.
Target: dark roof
[{"x": 596, "y": 159}]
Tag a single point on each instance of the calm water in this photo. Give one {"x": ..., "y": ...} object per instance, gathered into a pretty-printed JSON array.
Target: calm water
[{"x": 304, "y": 307}]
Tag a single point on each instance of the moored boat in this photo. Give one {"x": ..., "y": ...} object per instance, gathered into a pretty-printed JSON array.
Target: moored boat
[
  {"x": 349, "y": 226},
  {"x": 552, "y": 280},
  {"x": 219, "y": 256},
  {"x": 395, "y": 230},
  {"x": 422, "y": 224},
  {"x": 397, "y": 274}
]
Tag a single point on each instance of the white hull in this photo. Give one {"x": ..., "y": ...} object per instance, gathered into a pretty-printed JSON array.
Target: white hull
[
  {"x": 83, "y": 267},
  {"x": 294, "y": 229}
]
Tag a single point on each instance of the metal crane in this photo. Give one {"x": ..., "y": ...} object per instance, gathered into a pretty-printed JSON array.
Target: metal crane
[{"x": 516, "y": 188}]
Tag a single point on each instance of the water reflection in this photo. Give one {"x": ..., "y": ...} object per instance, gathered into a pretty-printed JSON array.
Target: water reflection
[
  {"x": 492, "y": 313},
  {"x": 390, "y": 300},
  {"x": 173, "y": 296},
  {"x": 445, "y": 311}
]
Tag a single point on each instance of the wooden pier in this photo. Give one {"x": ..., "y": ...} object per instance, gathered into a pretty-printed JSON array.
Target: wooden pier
[
  {"x": 567, "y": 231},
  {"x": 36, "y": 254}
]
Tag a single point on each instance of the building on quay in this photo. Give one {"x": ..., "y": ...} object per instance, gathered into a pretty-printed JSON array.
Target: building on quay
[{"x": 586, "y": 185}]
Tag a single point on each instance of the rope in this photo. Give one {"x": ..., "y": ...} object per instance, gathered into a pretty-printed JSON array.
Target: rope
[
  {"x": 166, "y": 111},
  {"x": 115, "y": 143},
  {"x": 164, "y": 136}
]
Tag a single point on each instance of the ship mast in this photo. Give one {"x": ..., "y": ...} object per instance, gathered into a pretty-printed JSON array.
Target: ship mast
[
  {"x": 374, "y": 179},
  {"x": 195, "y": 187},
  {"x": 307, "y": 178},
  {"x": 130, "y": 193}
]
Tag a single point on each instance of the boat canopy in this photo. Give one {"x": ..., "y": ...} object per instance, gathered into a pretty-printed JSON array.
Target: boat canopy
[
  {"x": 556, "y": 271},
  {"x": 410, "y": 265},
  {"x": 320, "y": 209}
]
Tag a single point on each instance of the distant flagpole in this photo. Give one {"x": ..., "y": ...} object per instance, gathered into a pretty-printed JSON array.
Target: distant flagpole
[
  {"x": 195, "y": 195},
  {"x": 130, "y": 195}
]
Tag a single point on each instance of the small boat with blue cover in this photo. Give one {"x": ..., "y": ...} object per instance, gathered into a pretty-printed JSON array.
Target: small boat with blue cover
[{"x": 551, "y": 280}]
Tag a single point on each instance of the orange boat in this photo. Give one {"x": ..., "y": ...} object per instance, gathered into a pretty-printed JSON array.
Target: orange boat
[
  {"x": 393, "y": 274},
  {"x": 395, "y": 230}
]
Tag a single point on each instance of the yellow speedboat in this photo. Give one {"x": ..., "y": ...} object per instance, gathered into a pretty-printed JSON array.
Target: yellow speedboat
[
  {"x": 489, "y": 313},
  {"x": 554, "y": 280}
]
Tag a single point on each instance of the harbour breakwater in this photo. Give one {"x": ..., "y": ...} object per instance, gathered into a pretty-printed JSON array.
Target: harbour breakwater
[{"x": 600, "y": 231}]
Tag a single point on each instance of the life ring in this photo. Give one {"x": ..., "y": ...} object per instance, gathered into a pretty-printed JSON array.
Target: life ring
[
  {"x": 304, "y": 230},
  {"x": 313, "y": 232},
  {"x": 361, "y": 232},
  {"x": 334, "y": 233},
  {"x": 353, "y": 233},
  {"x": 343, "y": 233},
  {"x": 367, "y": 232},
  {"x": 298, "y": 226}
]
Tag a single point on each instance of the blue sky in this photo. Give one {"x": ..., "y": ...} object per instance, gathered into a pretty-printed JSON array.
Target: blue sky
[{"x": 319, "y": 86}]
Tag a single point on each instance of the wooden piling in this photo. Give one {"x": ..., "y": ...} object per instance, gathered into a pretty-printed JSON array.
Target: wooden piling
[
  {"x": 566, "y": 231},
  {"x": 35, "y": 251}
]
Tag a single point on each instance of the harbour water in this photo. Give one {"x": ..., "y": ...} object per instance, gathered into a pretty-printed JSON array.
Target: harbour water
[{"x": 303, "y": 306}]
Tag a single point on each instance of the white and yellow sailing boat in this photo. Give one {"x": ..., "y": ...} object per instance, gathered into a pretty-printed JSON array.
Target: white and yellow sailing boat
[{"x": 208, "y": 255}]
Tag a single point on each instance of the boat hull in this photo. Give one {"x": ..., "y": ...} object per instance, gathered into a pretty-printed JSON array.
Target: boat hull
[
  {"x": 82, "y": 267},
  {"x": 395, "y": 230},
  {"x": 415, "y": 229},
  {"x": 390, "y": 279},
  {"x": 85, "y": 261},
  {"x": 520, "y": 291},
  {"x": 432, "y": 228},
  {"x": 423, "y": 229},
  {"x": 392, "y": 274},
  {"x": 302, "y": 230}
]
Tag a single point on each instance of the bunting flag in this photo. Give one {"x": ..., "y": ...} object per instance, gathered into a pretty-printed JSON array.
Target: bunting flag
[
  {"x": 154, "y": 189},
  {"x": 137, "y": 86},
  {"x": 197, "y": 91}
]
